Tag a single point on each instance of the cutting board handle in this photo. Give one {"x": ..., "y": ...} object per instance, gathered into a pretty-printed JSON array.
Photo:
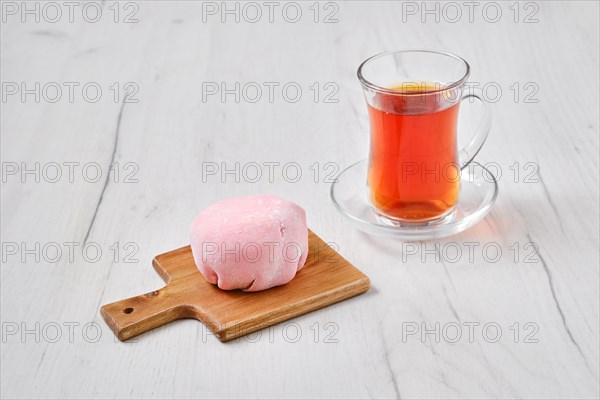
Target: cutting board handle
[{"x": 136, "y": 315}]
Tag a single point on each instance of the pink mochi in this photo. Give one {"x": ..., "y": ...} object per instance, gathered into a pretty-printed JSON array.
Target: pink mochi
[{"x": 250, "y": 243}]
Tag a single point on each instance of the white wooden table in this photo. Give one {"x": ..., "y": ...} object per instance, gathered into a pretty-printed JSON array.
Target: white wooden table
[{"x": 84, "y": 173}]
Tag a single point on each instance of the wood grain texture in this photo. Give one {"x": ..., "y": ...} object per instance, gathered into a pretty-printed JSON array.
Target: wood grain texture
[
  {"x": 353, "y": 349},
  {"x": 326, "y": 278}
]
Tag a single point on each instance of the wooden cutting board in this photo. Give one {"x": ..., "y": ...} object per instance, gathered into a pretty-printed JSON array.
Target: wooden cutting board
[{"x": 325, "y": 279}]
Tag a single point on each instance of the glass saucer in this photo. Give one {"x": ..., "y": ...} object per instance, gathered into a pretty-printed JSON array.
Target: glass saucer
[{"x": 350, "y": 194}]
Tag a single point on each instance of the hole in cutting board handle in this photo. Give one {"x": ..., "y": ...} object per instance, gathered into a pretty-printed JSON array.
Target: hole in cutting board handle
[{"x": 128, "y": 310}]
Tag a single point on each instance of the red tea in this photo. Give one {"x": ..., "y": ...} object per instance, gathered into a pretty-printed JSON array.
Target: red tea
[{"x": 413, "y": 171}]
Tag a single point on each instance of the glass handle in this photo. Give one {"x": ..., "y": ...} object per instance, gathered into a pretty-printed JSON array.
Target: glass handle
[{"x": 468, "y": 153}]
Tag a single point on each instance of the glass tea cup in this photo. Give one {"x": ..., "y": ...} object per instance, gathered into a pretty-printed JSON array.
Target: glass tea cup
[{"x": 413, "y": 98}]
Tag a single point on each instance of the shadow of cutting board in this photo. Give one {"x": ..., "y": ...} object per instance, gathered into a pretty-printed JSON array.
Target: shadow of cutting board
[{"x": 325, "y": 279}]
